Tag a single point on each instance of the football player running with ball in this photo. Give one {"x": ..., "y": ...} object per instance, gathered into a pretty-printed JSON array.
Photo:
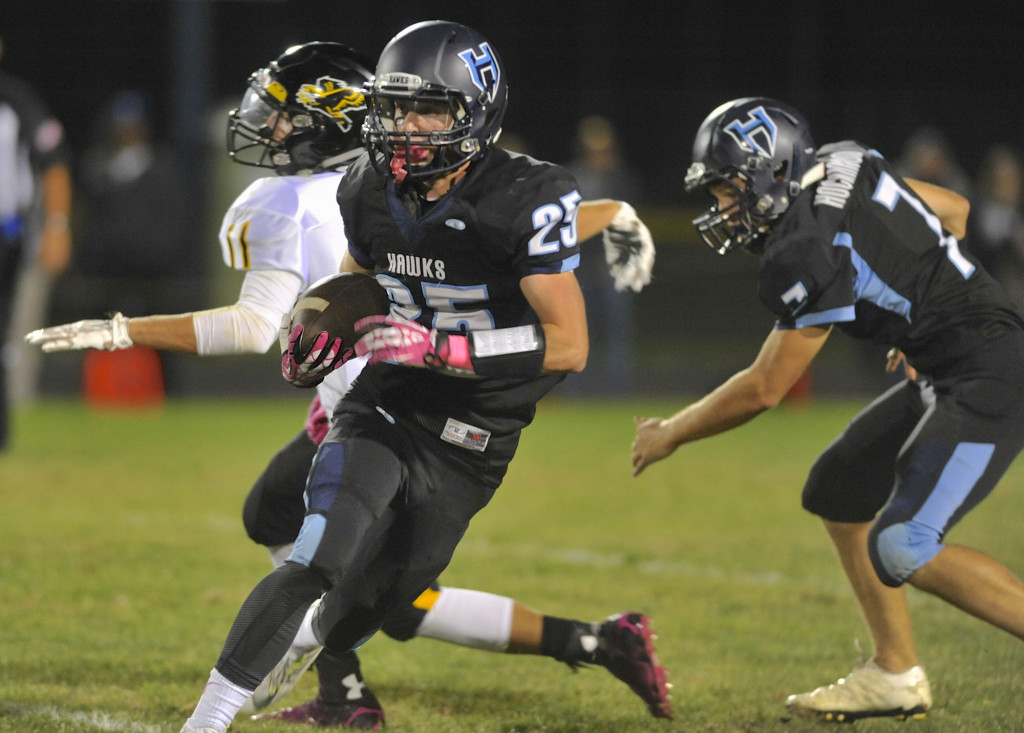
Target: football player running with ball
[
  {"x": 414, "y": 452},
  {"x": 301, "y": 117},
  {"x": 846, "y": 243}
]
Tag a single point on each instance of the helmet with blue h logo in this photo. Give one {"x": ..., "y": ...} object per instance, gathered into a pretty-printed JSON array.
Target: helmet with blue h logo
[
  {"x": 436, "y": 66},
  {"x": 760, "y": 147}
]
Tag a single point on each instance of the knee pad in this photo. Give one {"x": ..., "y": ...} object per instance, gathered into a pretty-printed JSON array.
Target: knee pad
[{"x": 898, "y": 550}]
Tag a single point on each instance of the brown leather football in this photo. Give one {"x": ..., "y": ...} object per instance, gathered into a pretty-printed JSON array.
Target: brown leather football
[{"x": 334, "y": 304}]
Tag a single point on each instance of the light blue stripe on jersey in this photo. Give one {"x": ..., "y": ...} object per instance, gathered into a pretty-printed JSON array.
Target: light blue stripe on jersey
[
  {"x": 958, "y": 479},
  {"x": 834, "y": 315},
  {"x": 869, "y": 286},
  {"x": 570, "y": 263}
]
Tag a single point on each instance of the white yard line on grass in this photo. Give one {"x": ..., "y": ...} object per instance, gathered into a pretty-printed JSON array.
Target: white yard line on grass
[
  {"x": 592, "y": 559},
  {"x": 97, "y": 721}
]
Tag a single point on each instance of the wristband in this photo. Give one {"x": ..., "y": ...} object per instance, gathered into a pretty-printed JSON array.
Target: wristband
[{"x": 507, "y": 352}]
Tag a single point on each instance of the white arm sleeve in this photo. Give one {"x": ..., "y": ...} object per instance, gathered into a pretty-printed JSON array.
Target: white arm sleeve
[{"x": 251, "y": 324}]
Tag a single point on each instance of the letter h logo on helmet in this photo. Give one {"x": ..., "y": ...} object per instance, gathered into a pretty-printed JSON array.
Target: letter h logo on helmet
[
  {"x": 483, "y": 69},
  {"x": 756, "y": 134}
]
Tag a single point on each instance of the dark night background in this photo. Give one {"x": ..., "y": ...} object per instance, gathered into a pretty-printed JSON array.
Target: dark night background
[
  {"x": 873, "y": 71},
  {"x": 866, "y": 70}
]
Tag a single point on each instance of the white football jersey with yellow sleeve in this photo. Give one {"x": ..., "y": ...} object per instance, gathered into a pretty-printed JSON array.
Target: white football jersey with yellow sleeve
[{"x": 291, "y": 224}]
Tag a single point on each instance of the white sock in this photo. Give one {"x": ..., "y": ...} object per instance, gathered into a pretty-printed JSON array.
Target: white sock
[
  {"x": 280, "y": 553},
  {"x": 219, "y": 703},
  {"x": 305, "y": 638},
  {"x": 469, "y": 618}
]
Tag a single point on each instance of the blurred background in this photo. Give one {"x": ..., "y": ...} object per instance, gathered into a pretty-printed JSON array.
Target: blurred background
[{"x": 613, "y": 90}]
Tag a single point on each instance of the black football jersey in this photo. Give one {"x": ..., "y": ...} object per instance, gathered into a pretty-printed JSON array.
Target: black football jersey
[
  {"x": 858, "y": 249},
  {"x": 457, "y": 267}
]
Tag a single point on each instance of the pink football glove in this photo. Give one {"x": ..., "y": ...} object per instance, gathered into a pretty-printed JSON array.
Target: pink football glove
[
  {"x": 318, "y": 424},
  {"x": 311, "y": 371},
  {"x": 407, "y": 342}
]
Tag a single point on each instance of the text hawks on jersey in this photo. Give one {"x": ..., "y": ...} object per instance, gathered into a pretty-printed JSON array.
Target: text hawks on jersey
[{"x": 456, "y": 263}]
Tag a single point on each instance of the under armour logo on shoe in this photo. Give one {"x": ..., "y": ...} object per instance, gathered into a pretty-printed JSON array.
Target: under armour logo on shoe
[{"x": 355, "y": 687}]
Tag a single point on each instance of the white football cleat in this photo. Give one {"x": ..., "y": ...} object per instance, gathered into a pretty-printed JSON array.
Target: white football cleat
[
  {"x": 867, "y": 692},
  {"x": 189, "y": 729},
  {"x": 281, "y": 679}
]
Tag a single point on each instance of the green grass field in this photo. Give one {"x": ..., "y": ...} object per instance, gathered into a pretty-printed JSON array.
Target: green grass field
[{"x": 123, "y": 561}]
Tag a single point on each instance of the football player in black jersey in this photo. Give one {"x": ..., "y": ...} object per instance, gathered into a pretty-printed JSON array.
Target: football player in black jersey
[
  {"x": 845, "y": 243},
  {"x": 476, "y": 247}
]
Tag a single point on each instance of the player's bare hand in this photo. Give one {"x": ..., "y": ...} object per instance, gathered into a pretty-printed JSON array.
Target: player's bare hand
[
  {"x": 652, "y": 443},
  {"x": 893, "y": 360}
]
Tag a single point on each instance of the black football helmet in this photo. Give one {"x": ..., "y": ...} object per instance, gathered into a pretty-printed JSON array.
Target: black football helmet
[
  {"x": 441, "y": 66},
  {"x": 303, "y": 113},
  {"x": 763, "y": 143}
]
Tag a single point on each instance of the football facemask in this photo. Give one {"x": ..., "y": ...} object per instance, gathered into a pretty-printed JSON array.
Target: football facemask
[
  {"x": 739, "y": 223},
  {"x": 442, "y": 140}
]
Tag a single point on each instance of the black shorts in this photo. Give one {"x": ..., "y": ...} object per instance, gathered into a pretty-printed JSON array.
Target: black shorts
[
  {"x": 387, "y": 507},
  {"x": 274, "y": 508},
  {"x": 961, "y": 432}
]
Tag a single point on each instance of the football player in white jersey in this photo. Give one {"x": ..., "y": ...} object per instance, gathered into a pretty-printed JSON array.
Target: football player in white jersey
[{"x": 301, "y": 117}]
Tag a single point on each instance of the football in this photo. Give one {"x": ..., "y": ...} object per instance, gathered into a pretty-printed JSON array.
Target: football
[{"x": 334, "y": 304}]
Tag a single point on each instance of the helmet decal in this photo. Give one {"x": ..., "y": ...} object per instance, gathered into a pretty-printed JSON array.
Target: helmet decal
[
  {"x": 483, "y": 69},
  {"x": 757, "y": 134},
  {"x": 318, "y": 87},
  {"x": 332, "y": 97},
  {"x": 765, "y": 143},
  {"x": 444, "y": 63}
]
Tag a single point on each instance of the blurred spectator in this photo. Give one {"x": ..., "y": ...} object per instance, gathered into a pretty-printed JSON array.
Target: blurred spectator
[
  {"x": 35, "y": 205},
  {"x": 996, "y": 224},
  {"x": 927, "y": 156},
  {"x": 132, "y": 204},
  {"x": 602, "y": 172},
  {"x": 599, "y": 166},
  {"x": 130, "y": 256}
]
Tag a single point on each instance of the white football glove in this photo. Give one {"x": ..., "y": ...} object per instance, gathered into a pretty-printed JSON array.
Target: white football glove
[
  {"x": 628, "y": 250},
  {"x": 110, "y": 335}
]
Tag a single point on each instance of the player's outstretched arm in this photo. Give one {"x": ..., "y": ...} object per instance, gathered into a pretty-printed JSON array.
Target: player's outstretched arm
[
  {"x": 628, "y": 246},
  {"x": 108, "y": 334},
  {"x": 594, "y": 216},
  {"x": 248, "y": 326},
  {"x": 784, "y": 356}
]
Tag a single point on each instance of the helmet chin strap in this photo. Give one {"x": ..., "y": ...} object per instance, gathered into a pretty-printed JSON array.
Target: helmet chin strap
[{"x": 814, "y": 174}]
